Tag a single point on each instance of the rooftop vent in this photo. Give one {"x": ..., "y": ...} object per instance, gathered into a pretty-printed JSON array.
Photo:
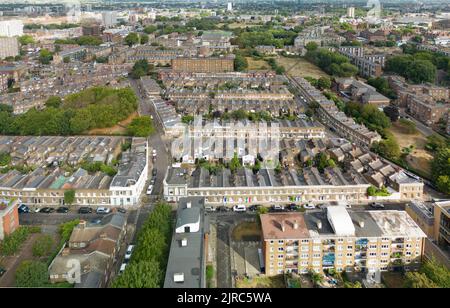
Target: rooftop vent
[
  {"x": 319, "y": 224},
  {"x": 178, "y": 277},
  {"x": 184, "y": 242},
  {"x": 283, "y": 227},
  {"x": 295, "y": 224},
  {"x": 188, "y": 205},
  {"x": 361, "y": 223}
]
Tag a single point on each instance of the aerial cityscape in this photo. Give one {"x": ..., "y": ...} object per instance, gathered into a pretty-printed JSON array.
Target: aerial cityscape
[{"x": 244, "y": 145}]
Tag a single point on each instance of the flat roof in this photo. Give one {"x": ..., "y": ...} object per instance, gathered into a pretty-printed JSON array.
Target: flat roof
[{"x": 187, "y": 251}]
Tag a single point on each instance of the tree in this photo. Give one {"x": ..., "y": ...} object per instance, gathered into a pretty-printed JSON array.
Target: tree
[
  {"x": 45, "y": 56},
  {"x": 26, "y": 39},
  {"x": 150, "y": 29},
  {"x": 132, "y": 39},
  {"x": 235, "y": 163},
  {"x": 53, "y": 102},
  {"x": 43, "y": 246},
  {"x": 66, "y": 60},
  {"x": 31, "y": 274},
  {"x": 69, "y": 196},
  {"x": 65, "y": 229},
  {"x": 5, "y": 159},
  {"x": 420, "y": 71},
  {"x": 311, "y": 46},
  {"x": 240, "y": 63},
  {"x": 440, "y": 167},
  {"x": 324, "y": 83},
  {"x": 418, "y": 280},
  {"x": 262, "y": 210},
  {"x": 144, "y": 274},
  {"x": 141, "y": 127},
  {"x": 437, "y": 273},
  {"x": 392, "y": 112},
  {"x": 141, "y": 68},
  {"x": 144, "y": 39}
]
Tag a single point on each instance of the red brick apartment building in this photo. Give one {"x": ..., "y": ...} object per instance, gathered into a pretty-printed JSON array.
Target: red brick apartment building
[{"x": 9, "y": 217}]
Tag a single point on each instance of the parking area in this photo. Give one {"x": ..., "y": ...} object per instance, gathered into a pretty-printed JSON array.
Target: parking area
[{"x": 236, "y": 243}]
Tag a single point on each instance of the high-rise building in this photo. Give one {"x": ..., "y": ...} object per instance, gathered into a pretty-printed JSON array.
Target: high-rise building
[
  {"x": 351, "y": 12},
  {"x": 229, "y": 7},
  {"x": 109, "y": 19},
  {"x": 9, "y": 47},
  {"x": 10, "y": 28}
]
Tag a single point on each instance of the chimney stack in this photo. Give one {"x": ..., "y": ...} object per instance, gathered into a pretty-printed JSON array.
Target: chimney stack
[
  {"x": 188, "y": 205},
  {"x": 295, "y": 224},
  {"x": 82, "y": 224},
  {"x": 283, "y": 228}
]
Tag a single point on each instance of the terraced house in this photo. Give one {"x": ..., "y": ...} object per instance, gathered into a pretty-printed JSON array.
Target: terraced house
[
  {"x": 270, "y": 187},
  {"x": 47, "y": 184}
]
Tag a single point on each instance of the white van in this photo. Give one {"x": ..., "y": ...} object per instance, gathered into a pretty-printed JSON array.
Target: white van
[{"x": 239, "y": 208}]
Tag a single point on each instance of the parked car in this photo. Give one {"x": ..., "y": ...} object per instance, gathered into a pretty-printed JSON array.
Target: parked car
[
  {"x": 377, "y": 205},
  {"x": 210, "y": 208},
  {"x": 84, "y": 210},
  {"x": 223, "y": 209},
  {"x": 277, "y": 208},
  {"x": 154, "y": 172},
  {"x": 149, "y": 189},
  {"x": 129, "y": 252},
  {"x": 154, "y": 153},
  {"x": 122, "y": 268},
  {"x": 23, "y": 209},
  {"x": 2, "y": 271},
  {"x": 309, "y": 206},
  {"x": 253, "y": 208},
  {"x": 47, "y": 210},
  {"x": 103, "y": 210},
  {"x": 121, "y": 210},
  {"x": 152, "y": 181},
  {"x": 293, "y": 207},
  {"x": 62, "y": 210},
  {"x": 239, "y": 208}
]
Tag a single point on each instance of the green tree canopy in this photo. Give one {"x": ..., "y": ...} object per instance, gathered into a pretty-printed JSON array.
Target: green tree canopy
[
  {"x": 144, "y": 274},
  {"x": 132, "y": 39},
  {"x": 31, "y": 274},
  {"x": 141, "y": 127}
]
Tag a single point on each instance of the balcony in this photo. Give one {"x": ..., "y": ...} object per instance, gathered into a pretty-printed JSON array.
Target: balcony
[{"x": 396, "y": 255}]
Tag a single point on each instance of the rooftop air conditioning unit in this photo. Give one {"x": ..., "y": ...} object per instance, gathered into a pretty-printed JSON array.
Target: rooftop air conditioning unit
[
  {"x": 184, "y": 242},
  {"x": 178, "y": 277}
]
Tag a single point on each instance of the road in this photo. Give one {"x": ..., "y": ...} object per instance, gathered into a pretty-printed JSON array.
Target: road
[
  {"x": 54, "y": 218},
  {"x": 422, "y": 128}
]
